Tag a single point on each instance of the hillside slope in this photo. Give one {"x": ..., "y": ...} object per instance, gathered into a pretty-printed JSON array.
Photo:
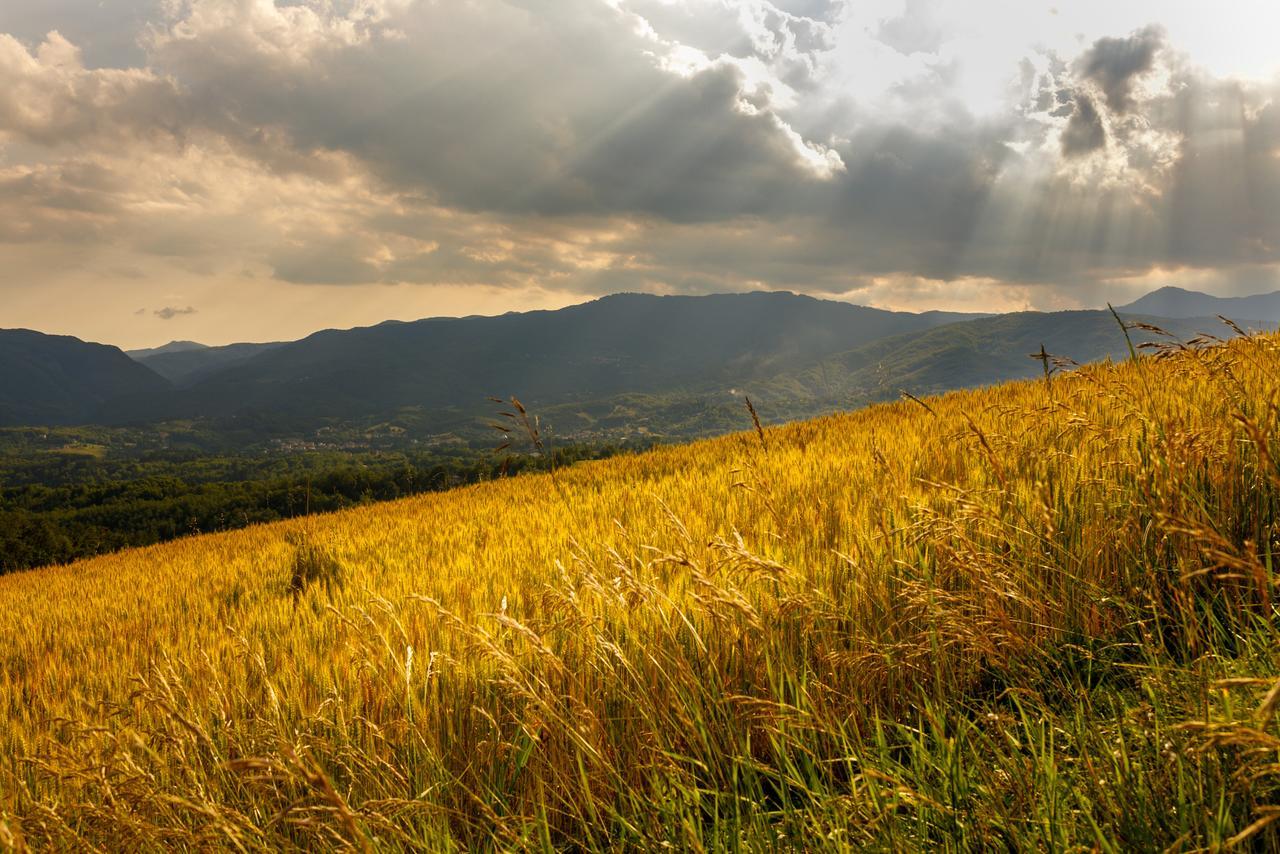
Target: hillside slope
[
  {"x": 986, "y": 351},
  {"x": 963, "y": 354},
  {"x": 978, "y": 623},
  {"x": 57, "y": 379}
]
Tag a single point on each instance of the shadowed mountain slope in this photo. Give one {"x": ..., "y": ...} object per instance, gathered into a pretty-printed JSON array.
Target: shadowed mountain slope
[
  {"x": 57, "y": 379},
  {"x": 185, "y": 362}
]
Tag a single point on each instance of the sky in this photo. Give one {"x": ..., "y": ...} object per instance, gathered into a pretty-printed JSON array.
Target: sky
[{"x": 250, "y": 170}]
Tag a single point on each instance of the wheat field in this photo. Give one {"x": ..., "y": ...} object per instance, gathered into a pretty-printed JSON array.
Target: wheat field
[{"x": 1038, "y": 616}]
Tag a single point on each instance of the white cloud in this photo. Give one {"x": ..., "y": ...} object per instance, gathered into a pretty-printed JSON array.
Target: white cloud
[
  {"x": 48, "y": 97},
  {"x": 281, "y": 36}
]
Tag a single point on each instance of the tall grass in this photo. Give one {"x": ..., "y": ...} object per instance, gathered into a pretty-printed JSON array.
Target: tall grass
[{"x": 1040, "y": 616}]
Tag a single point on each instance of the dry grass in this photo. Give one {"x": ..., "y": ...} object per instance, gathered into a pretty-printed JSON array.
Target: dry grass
[{"x": 1035, "y": 616}]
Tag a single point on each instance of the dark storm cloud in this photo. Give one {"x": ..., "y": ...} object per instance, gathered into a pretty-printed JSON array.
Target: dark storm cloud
[
  {"x": 1084, "y": 133},
  {"x": 1115, "y": 64},
  {"x": 561, "y": 112}
]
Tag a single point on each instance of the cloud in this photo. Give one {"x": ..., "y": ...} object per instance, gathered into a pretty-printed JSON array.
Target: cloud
[
  {"x": 49, "y": 98},
  {"x": 170, "y": 312},
  {"x": 1116, "y": 64},
  {"x": 917, "y": 30},
  {"x": 582, "y": 146},
  {"x": 569, "y": 109},
  {"x": 1084, "y": 132}
]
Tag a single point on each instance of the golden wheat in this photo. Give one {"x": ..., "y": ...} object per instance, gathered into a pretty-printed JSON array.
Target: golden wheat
[{"x": 642, "y": 649}]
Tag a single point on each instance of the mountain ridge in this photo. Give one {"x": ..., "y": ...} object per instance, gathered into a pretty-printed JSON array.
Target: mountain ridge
[
  {"x": 668, "y": 362},
  {"x": 623, "y": 343},
  {"x": 1175, "y": 302},
  {"x": 185, "y": 365},
  {"x": 175, "y": 346}
]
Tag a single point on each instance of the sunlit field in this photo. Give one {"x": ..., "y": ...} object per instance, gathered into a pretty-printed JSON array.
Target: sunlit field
[{"x": 1039, "y": 616}]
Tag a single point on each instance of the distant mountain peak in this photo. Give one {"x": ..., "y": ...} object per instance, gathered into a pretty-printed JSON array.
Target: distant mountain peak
[
  {"x": 171, "y": 347},
  {"x": 1171, "y": 301},
  {"x": 183, "y": 362}
]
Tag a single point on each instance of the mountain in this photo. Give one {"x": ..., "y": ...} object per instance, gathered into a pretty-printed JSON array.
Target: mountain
[
  {"x": 444, "y": 368},
  {"x": 57, "y": 379},
  {"x": 185, "y": 362},
  {"x": 171, "y": 347},
  {"x": 625, "y": 365},
  {"x": 1176, "y": 302}
]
